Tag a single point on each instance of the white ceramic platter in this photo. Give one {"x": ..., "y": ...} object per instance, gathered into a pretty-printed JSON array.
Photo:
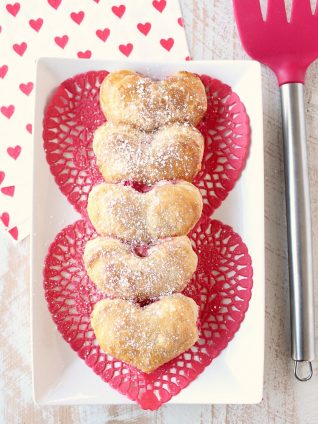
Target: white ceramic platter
[{"x": 236, "y": 376}]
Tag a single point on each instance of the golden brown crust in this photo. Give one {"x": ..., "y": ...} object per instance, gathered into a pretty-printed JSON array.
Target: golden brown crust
[
  {"x": 168, "y": 210},
  {"x": 173, "y": 152},
  {"x": 119, "y": 273},
  {"x": 127, "y": 97},
  {"x": 146, "y": 337}
]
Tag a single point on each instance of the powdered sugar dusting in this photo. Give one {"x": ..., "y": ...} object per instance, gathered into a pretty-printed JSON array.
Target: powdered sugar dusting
[
  {"x": 119, "y": 272},
  {"x": 146, "y": 337},
  {"x": 124, "y": 153},
  {"x": 127, "y": 97},
  {"x": 165, "y": 211}
]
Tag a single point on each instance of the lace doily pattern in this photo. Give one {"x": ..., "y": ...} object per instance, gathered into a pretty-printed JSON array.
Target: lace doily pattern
[
  {"x": 221, "y": 287},
  {"x": 73, "y": 114}
]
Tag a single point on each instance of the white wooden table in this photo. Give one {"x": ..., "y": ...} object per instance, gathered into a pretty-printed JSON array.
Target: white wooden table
[{"x": 211, "y": 35}]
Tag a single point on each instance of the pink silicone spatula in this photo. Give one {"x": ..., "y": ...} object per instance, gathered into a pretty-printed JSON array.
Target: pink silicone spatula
[{"x": 288, "y": 48}]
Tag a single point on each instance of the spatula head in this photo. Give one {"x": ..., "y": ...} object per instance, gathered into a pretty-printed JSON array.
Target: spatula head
[{"x": 288, "y": 48}]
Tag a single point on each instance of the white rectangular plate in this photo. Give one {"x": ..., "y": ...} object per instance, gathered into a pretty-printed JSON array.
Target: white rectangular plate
[{"x": 236, "y": 375}]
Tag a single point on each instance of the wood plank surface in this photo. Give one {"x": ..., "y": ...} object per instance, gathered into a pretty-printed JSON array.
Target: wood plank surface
[{"x": 211, "y": 35}]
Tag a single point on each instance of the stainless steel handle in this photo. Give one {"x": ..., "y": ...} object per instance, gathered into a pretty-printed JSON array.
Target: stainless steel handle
[{"x": 299, "y": 226}]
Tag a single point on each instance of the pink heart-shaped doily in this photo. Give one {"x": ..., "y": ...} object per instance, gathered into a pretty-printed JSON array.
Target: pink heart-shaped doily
[
  {"x": 221, "y": 287},
  {"x": 73, "y": 114}
]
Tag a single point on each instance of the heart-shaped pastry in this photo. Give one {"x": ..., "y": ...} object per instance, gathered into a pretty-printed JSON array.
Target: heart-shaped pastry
[
  {"x": 118, "y": 272},
  {"x": 146, "y": 337},
  {"x": 173, "y": 152},
  {"x": 127, "y": 97},
  {"x": 167, "y": 210}
]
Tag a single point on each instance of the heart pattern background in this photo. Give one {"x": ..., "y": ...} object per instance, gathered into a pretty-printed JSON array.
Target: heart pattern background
[{"x": 97, "y": 29}]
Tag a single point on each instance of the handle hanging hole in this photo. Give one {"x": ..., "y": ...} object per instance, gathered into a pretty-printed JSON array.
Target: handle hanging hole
[{"x": 304, "y": 377}]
